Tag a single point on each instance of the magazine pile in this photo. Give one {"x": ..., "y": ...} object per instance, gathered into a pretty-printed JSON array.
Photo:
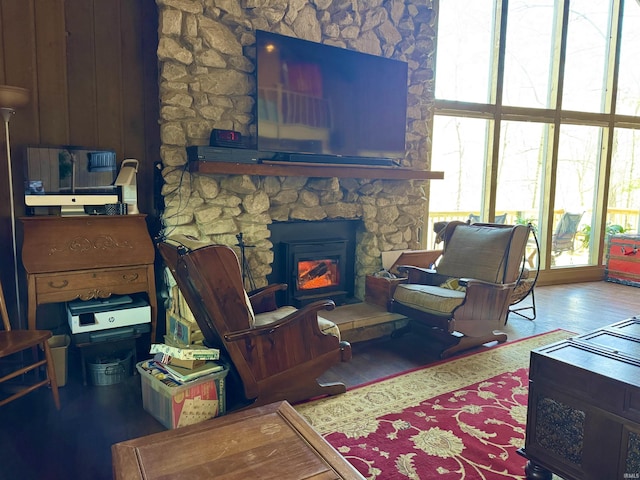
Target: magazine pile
[{"x": 178, "y": 365}]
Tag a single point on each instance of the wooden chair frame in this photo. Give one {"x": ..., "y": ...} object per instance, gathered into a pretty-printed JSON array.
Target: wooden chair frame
[
  {"x": 278, "y": 361},
  {"x": 14, "y": 342}
]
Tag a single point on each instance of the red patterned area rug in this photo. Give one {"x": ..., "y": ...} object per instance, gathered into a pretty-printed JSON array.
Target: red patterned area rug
[{"x": 462, "y": 418}]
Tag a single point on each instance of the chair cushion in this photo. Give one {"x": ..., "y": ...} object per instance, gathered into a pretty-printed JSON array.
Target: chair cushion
[
  {"x": 429, "y": 298},
  {"x": 266, "y": 318},
  {"x": 476, "y": 251},
  {"x": 252, "y": 316},
  {"x": 523, "y": 287},
  {"x": 326, "y": 326}
]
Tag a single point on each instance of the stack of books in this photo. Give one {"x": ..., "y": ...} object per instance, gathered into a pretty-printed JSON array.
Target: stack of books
[{"x": 185, "y": 364}]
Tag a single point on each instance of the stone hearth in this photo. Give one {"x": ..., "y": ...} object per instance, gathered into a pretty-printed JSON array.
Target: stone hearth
[{"x": 359, "y": 322}]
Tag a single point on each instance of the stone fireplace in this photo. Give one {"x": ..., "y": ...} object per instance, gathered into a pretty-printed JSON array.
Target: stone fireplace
[{"x": 207, "y": 57}]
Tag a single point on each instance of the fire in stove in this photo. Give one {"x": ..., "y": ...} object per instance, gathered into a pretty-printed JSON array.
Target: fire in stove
[
  {"x": 315, "y": 269},
  {"x": 314, "y": 274}
]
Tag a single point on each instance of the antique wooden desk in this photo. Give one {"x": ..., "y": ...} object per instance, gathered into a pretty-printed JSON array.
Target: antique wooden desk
[
  {"x": 268, "y": 442},
  {"x": 583, "y": 417},
  {"x": 87, "y": 257}
]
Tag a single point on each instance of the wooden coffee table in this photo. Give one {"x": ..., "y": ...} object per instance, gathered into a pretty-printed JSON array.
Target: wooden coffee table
[{"x": 269, "y": 442}]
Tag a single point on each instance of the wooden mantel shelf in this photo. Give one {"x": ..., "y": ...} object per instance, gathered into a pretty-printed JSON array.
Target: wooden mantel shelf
[{"x": 291, "y": 169}]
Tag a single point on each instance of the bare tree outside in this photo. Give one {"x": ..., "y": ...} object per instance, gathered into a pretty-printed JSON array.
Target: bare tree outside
[{"x": 562, "y": 105}]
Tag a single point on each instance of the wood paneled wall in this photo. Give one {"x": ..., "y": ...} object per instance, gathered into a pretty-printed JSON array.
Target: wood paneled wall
[{"x": 91, "y": 68}]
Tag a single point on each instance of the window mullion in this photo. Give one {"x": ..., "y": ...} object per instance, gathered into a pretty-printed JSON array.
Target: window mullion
[
  {"x": 548, "y": 192},
  {"x": 501, "y": 9},
  {"x": 604, "y": 173},
  {"x": 613, "y": 55},
  {"x": 558, "y": 54}
]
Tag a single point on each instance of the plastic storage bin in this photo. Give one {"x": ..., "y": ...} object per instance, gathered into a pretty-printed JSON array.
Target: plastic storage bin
[{"x": 178, "y": 406}]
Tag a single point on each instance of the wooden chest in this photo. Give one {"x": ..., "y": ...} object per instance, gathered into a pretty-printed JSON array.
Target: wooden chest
[
  {"x": 583, "y": 417},
  {"x": 623, "y": 260},
  {"x": 380, "y": 290}
]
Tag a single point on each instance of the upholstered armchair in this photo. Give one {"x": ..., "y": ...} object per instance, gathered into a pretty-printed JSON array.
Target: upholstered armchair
[
  {"x": 464, "y": 301},
  {"x": 275, "y": 353}
]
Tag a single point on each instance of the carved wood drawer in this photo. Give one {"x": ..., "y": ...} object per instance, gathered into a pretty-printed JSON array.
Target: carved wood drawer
[{"x": 88, "y": 284}]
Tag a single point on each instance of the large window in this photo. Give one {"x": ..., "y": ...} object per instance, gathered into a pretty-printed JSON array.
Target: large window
[{"x": 537, "y": 120}]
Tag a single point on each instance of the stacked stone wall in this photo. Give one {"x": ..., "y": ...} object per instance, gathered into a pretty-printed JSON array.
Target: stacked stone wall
[{"x": 207, "y": 56}]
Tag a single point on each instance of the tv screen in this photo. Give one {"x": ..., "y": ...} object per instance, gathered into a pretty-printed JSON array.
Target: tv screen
[{"x": 320, "y": 99}]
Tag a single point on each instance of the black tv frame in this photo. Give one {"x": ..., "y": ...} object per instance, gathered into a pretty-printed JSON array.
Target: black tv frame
[{"x": 381, "y": 116}]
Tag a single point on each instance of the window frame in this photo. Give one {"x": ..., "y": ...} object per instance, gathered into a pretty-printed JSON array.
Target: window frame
[{"x": 496, "y": 113}]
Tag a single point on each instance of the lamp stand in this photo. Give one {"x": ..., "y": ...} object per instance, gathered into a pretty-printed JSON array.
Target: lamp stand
[
  {"x": 12, "y": 98},
  {"x": 6, "y": 116}
]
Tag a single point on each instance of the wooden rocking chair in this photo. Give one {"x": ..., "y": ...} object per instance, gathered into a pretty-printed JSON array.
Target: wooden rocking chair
[
  {"x": 275, "y": 353},
  {"x": 464, "y": 301}
]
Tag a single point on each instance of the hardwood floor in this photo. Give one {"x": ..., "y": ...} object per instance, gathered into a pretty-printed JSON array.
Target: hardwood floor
[
  {"x": 577, "y": 308},
  {"x": 36, "y": 441}
]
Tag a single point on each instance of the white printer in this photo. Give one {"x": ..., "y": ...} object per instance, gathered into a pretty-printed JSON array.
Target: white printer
[{"x": 113, "y": 312}]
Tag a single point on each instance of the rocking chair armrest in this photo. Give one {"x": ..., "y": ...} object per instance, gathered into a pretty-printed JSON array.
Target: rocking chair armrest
[
  {"x": 263, "y": 299},
  {"x": 409, "y": 268},
  {"x": 269, "y": 289},
  {"x": 470, "y": 282},
  {"x": 308, "y": 311},
  {"x": 421, "y": 275}
]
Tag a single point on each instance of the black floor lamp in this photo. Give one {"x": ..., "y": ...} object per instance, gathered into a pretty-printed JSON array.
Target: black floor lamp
[{"x": 12, "y": 98}]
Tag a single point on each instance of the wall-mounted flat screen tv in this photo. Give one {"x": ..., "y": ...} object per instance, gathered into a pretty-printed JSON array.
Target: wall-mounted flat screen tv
[{"x": 323, "y": 100}]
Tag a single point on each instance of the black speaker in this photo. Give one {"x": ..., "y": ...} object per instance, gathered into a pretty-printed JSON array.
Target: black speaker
[{"x": 222, "y": 154}]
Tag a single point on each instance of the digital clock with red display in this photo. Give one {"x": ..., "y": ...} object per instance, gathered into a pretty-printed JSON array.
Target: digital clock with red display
[{"x": 225, "y": 138}]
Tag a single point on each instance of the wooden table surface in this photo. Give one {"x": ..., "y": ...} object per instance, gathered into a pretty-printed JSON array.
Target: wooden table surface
[{"x": 268, "y": 442}]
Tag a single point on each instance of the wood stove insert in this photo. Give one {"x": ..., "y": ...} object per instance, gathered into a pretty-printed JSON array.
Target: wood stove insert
[
  {"x": 317, "y": 269},
  {"x": 316, "y": 259}
]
